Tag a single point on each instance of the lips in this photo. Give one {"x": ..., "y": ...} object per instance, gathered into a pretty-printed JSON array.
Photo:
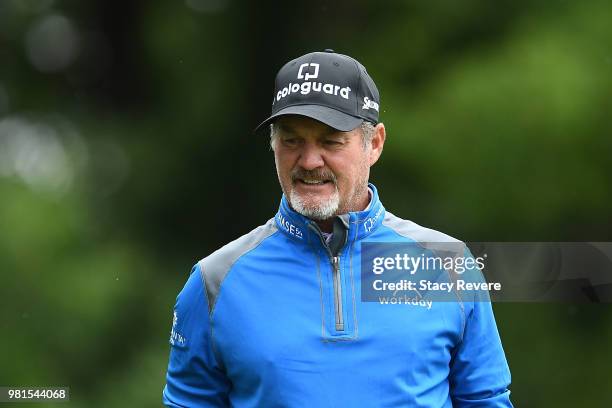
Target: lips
[{"x": 312, "y": 182}]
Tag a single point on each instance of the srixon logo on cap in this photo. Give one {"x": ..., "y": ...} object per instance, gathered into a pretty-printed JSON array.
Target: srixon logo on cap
[
  {"x": 368, "y": 103},
  {"x": 306, "y": 72}
]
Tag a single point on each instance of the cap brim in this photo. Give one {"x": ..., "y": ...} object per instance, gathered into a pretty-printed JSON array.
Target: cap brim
[{"x": 331, "y": 117}]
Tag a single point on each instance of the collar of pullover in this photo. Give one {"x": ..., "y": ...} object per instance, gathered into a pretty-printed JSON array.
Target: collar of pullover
[{"x": 360, "y": 223}]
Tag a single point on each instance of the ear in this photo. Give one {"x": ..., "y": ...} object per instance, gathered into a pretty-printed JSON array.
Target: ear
[{"x": 378, "y": 141}]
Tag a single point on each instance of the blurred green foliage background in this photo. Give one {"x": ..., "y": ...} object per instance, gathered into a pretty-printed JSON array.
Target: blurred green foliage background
[{"x": 126, "y": 155}]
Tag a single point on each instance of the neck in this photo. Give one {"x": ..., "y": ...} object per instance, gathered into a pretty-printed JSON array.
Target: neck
[{"x": 327, "y": 224}]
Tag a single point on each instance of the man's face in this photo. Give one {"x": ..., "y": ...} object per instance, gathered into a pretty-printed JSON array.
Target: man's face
[{"x": 322, "y": 171}]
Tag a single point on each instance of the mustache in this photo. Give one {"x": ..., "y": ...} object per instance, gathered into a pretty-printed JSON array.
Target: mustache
[{"x": 317, "y": 174}]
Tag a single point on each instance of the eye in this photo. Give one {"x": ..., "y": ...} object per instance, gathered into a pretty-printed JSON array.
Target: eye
[
  {"x": 332, "y": 142},
  {"x": 290, "y": 141}
]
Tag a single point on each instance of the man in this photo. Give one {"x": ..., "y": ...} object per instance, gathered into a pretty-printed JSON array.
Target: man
[{"x": 276, "y": 319}]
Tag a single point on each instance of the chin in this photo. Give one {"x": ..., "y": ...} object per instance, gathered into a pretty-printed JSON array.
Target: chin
[{"x": 317, "y": 209}]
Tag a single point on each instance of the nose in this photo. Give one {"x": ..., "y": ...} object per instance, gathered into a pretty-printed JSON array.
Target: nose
[{"x": 310, "y": 157}]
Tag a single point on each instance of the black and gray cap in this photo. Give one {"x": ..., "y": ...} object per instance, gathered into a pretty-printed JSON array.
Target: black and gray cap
[{"x": 332, "y": 88}]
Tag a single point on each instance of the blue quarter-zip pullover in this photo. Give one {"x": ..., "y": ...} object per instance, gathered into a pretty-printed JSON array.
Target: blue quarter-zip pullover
[{"x": 275, "y": 319}]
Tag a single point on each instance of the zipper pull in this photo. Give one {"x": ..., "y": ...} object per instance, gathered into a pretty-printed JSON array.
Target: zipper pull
[{"x": 336, "y": 263}]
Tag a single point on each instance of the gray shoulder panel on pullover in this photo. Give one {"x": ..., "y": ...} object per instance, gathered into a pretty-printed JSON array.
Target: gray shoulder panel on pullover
[
  {"x": 215, "y": 267},
  {"x": 441, "y": 244},
  {"x": 426, "y": 237}
]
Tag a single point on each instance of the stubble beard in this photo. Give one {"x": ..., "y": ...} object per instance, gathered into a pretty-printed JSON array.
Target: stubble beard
[{"x": 320, "y": 211}]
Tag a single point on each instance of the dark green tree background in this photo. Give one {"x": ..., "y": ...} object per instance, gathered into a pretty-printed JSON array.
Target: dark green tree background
[{"x": 126, "y": 155}]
